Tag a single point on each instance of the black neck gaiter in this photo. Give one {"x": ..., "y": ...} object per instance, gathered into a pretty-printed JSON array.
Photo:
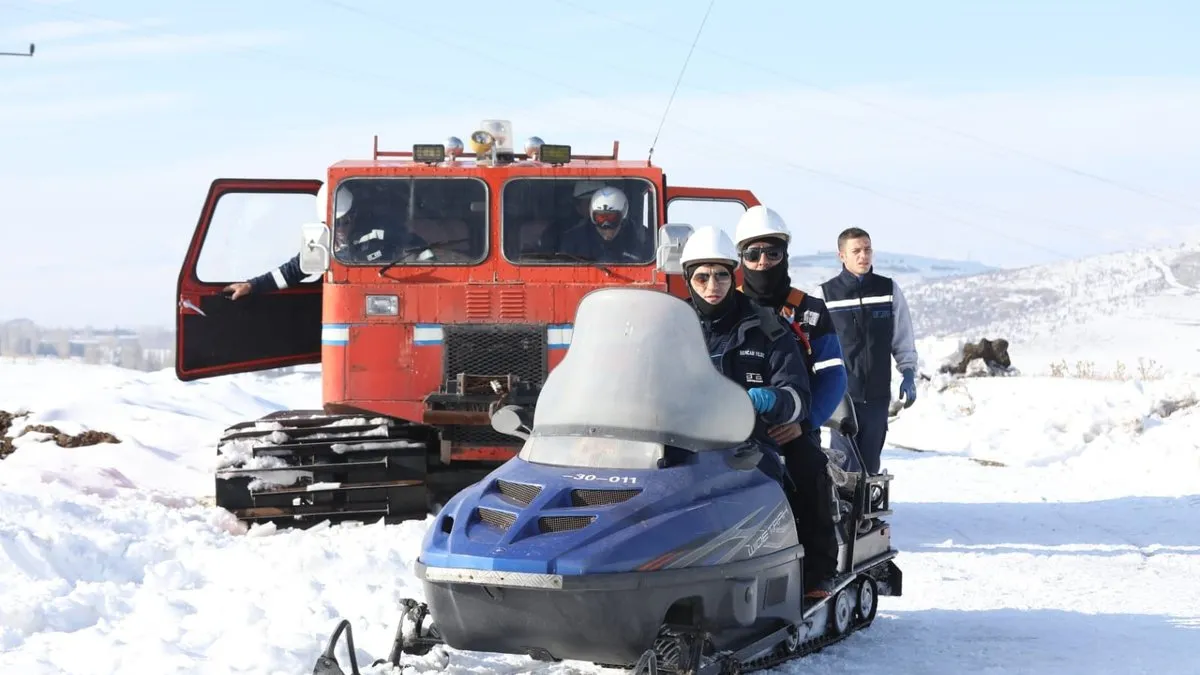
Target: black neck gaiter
[{"x": 767, "y": 287}]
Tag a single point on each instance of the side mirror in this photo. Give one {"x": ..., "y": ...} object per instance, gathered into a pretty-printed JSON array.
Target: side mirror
[
  {"x": 314, "y": 248},
  {"x": 511, "y": 420},
  {"x": 671, "y": 239}
]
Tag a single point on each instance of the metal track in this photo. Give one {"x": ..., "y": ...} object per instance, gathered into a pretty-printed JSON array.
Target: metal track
[
  {"x": 415, "y": 637},
  {"x": 298, "y": 468},
  {"x": 743, "y": 660},
  {"x": 730, "y": 665}
]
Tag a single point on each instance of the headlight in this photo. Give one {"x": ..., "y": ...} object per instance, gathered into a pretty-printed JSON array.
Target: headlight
[{"x": 383, "y": 305}]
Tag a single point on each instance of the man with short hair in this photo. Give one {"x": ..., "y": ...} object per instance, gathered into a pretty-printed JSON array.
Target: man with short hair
[{"x": 873, "y": 325}]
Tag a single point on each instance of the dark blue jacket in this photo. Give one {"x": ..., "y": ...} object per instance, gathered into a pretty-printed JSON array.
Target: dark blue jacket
[
  {"x": 824, "y": 355},
  {"x": 287, "y": 274},
  {"x": 632, "y": 245},
  {"x": 873, "y": 324},
  {"x": 755, "y": 348}
]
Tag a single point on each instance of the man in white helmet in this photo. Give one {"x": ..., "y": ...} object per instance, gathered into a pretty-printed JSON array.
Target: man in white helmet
[
  {"x": 750, "y": 344},
  {"x": 289, "y": 273},
  {"x": 762, "y": 240},
  {"x": 355, "y": 236},
  {"x": 607, "y": 235}
]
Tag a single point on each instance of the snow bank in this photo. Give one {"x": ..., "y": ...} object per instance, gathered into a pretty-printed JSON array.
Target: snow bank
[
  {"x": 1082, "y": 549},
  {"x": 169, "y": 429},
  {"x": 1039, "y": 421},
  {"x": 138, "y": 585}
]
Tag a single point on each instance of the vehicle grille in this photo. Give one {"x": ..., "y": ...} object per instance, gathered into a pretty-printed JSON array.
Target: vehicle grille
[
  {"x": 496, "y": 349},
  {"x": 601, "y": 497},
  {"x": 501, "y": 520},
  {"x": 548, "y": 524},
  {"x": 522, "y": 493}
]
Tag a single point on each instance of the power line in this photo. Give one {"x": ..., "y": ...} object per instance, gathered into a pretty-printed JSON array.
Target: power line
[
  {"x": 907, "y": 116},
  {"x": 679, "y": 79},
  {"x": 409, "y": 25}
]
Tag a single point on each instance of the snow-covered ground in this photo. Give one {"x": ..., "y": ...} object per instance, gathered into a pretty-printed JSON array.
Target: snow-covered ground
[{"x": 1079, "y": 555}]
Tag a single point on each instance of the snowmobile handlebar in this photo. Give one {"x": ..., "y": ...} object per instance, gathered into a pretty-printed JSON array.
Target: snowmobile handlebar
[
  {"x": 844, "y": 420},
  {"x": 327, "y": 663}
]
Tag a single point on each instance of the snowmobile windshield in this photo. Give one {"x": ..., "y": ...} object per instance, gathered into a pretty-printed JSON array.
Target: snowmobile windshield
[{"x": 636, "y": 377}]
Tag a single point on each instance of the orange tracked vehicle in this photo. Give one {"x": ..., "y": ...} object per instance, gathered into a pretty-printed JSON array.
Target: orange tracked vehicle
[{"x": 443, "y": 285}]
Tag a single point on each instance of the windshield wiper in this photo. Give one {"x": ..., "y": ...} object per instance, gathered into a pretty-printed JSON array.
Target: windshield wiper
[
  {"x": 407, "y": 250},
  {"x": 567, "y": 256}
]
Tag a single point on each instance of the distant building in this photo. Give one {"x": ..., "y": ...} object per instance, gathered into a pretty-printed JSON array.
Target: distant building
[{"x": 152, "y": 349}]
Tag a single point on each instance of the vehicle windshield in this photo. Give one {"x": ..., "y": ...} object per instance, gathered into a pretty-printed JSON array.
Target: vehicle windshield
[
  {"x": 547, "y": 221},
  {"x": 411, "y": 221},
  {"x": 637, "y": 377}
]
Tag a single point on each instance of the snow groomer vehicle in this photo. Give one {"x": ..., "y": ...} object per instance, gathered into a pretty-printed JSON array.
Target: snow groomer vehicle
[{"x": 442, "y": 289}]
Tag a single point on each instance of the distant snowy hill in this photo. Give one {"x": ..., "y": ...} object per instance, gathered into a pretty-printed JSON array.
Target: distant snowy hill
[
  {"x": 1132, "y": 305},
  {"x": 808, "y": 271}
]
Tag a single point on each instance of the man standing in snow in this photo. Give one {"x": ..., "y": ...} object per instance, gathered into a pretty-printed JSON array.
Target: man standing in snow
[{"x": 873, "y": 325}]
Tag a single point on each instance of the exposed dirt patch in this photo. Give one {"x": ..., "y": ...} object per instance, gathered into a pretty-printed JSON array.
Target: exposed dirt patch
[{"x": 79, "y": 440}]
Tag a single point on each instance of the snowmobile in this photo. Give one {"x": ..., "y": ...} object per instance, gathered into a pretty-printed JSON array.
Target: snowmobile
[{"x": 634, "y": 528}]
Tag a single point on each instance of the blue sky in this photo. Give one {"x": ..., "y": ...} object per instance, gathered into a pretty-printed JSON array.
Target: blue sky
[{"x": 949, "y": 129}]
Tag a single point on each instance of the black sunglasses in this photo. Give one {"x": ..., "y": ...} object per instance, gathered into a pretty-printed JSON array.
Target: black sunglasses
[
  {"x": 773, "y": 253},
  {"x": 703, "y": 277}
]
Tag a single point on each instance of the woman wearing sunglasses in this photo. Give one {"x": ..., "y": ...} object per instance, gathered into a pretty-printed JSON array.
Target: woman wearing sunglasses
[{"x": 749, "y": 344}]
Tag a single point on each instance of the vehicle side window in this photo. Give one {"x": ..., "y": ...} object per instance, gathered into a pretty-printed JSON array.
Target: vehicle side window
[
  {"x": 704, "y": 212},
  {"x": 250, "y": 233}
]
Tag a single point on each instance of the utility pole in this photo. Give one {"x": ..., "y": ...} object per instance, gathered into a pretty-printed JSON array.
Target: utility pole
[{"x": 19, "y": 53}]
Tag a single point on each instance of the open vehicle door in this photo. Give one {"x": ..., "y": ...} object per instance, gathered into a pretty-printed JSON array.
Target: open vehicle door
[
  {"x": 700, "y": 206},
  {"x": 247, "y": 227}
]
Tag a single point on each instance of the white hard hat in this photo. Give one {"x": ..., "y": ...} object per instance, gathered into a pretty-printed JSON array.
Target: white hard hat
[
  {"x": 322, "y": 201},
  {"x": 342, "y": 202},
  {"x": 758, "y": 222},
  {"x": 709, "y": 245}
]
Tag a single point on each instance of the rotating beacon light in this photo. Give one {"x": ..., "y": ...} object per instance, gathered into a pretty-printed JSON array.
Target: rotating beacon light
[{"x": 493, "y": 138}]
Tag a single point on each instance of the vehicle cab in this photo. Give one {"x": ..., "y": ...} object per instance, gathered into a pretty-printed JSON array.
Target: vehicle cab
[{"x": 443, "y": 279}]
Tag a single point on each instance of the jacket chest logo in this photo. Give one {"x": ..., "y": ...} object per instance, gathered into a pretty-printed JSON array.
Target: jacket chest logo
[{"x": 752, "y": 354}]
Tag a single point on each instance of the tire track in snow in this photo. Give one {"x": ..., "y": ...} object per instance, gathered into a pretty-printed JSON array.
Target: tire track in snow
[{"x": 1168, "y": 275}]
